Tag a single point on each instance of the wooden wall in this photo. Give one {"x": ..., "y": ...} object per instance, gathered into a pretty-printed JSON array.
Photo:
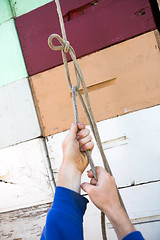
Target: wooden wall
[{"x": 119, "y": 54}]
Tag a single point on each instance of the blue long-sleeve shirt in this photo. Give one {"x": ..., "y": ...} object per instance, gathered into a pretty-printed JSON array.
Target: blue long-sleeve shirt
[{"x": 65, "y": 218}]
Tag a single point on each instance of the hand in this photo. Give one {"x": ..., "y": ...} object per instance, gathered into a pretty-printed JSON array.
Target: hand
[
  {"x": 74, "y": 146},
  {"x": 74, "y": 158},
  {"x": 103, "y": 194}
]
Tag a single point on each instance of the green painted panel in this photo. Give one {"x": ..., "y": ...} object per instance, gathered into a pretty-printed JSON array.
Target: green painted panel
[
  {"x": 12, "y": 66},
  {"x": 5, "y": 11},
  {"x": 21, "y": 7}
]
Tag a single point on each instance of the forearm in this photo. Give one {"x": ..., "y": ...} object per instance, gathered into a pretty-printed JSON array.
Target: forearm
[
  {"x": 69, "y": 177},
  {"x": 120, "y": 221}
]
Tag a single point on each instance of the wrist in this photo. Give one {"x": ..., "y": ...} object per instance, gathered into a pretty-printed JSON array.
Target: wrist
[
  {"x": 69, "y": 177},
  {"x": 120, "y": 221}
]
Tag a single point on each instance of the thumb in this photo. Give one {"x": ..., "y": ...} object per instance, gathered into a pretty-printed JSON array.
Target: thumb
[
  {"x": 87, "y": 187},
  {"x": 73, "y": 131}
]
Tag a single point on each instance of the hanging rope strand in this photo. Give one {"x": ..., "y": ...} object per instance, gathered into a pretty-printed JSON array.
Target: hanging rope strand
[{"x": 66, "y": 48}]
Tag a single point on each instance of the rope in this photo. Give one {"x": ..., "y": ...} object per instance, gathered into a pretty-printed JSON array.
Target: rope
[{"x": 65, "y": 48}]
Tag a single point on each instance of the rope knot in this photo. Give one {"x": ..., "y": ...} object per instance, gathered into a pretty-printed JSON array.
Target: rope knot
[{"x": 66, "y": 46}]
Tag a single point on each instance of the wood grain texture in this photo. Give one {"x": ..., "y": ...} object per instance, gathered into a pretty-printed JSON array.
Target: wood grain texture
[
  {"x": 18, "y": 118},
  {"x": 130, "y": 145},
  {"x": 89, "y": 28},
  {"x": 23, "y": 176},
  {"x": 23, "y": 224},
  {"x": 120, "y": 79},
  {"x": 5, "y": 11},
  {"x": 12, "y": 66}
]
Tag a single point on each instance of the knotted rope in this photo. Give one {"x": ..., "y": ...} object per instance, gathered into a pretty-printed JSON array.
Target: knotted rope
[{"x": 65, "y": 48}]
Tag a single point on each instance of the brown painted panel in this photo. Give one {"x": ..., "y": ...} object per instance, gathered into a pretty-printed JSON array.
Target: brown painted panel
[
  {"x": 90, "y": 26},
  {"x": 120, "y": 79}
]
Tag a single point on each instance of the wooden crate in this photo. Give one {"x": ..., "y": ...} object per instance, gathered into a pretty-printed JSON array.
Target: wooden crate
[
  {"x": 120, "y": 79},
  {"x": 18, "y": 118},
  {"x": 12, "y": 66},
  {"x": 89, "y": 27}
]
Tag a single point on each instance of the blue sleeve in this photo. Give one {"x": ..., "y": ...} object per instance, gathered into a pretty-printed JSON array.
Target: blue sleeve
[
  {"x": 134, "y": 236},
  {"x": 65, "y": 218}
]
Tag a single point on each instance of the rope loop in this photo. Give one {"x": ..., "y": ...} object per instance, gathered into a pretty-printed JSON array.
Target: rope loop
[
  {"x": 67, "y": 48},
  {"x": 65, "y": 45}
]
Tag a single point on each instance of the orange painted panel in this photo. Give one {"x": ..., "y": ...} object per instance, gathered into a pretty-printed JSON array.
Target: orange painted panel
[{"x": 120, "y": 79}]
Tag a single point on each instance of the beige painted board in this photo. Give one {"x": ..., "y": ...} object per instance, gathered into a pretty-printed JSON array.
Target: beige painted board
[
  {"x": 12, "y": 66},
  {"x": 120, "y": 79},
  {"x": 18, "y": 118},
  {"x": 23, "y": 224},
  {"x": 5, "y": 11},
  {"x": 130, "y": 142},
  {"x": 23, "y": 176}
]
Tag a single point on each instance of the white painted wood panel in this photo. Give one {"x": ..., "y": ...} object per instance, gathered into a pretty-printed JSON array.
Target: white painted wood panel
[
  {"x": 131, "y": 144},
  {"x": 26, "y": 224},
  {"x": 18, "y": 118},
  {"x": 143, "y": 206},
  {"x": 23, "y": 176},
  {"x": 150, "y": 230}
]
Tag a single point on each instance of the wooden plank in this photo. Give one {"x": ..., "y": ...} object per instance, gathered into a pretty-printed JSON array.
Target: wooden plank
[
  {"x": 18, "y": 118},
  {"x": 12, "y": 66},
  {"x": 26, "y": 223},
  {"x": 130, "y": 144},
  {"x": 86, "y": 28},
  {"x": 5, "y": 11},
  {"x": 120, "y": 79},
  {"x": 21, "y": 7},
  {"x": 24, "y": 178}
]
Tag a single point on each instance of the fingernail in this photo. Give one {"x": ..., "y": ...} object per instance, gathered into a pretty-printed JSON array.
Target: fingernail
[{"x": 73, "y": 124}]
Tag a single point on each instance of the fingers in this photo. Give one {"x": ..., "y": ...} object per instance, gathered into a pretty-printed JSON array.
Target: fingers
[
  {"x": 81, "y": 126},
  {"x": 85, "y": 140},
  {"x": 93, "y": 181},
  {"x": 100, "y": 171},
  {"x": 73, "y": 131},
  {"x": 87, "y": 146},
  {"x": 87, "y": 187},
  {"x": 83, "y": 133}
]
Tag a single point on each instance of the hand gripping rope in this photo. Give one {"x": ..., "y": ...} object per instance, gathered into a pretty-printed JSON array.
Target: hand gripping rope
[{"x": 65, "y": 48}]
